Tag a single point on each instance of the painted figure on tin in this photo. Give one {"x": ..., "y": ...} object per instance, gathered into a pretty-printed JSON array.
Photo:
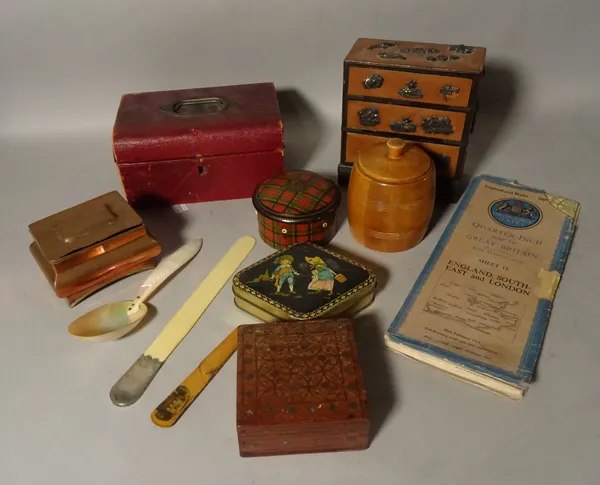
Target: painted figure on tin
[
  {"x": 284, "y": 273},
  {"x": 323, "y": 277}
]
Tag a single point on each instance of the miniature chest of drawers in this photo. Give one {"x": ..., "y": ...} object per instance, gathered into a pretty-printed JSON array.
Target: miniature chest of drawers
[{"x": 424, "y": 93}]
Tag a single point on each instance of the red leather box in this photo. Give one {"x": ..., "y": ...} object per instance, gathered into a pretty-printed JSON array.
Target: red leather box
[{"x": 197, "y": 145}]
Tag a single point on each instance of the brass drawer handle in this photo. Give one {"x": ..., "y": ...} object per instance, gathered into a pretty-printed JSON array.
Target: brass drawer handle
[
  {"x": 373, "y": 81},
  {"x": 411, "y": 91}
]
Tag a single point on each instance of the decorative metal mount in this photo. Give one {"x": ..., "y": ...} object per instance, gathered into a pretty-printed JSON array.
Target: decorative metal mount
[
  {"x": 462, "y": 49},
  {"x": 439, "y": 125},
  {"x": 369, "y": 116},
  {"x": 422, "y": 51},
  {"x": 383, "y": 45},
  {"x": 404, "y": 126},
  {"x": 442, "y": 58},
  {"x": 447, "y": 90},
  {"x": 373, "y": 81},
  {"x": 391, "y": 55},
  {"x": 411, "y": 91}
]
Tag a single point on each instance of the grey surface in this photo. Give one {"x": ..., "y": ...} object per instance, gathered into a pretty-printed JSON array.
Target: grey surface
[{"x": 63, "y": 67}]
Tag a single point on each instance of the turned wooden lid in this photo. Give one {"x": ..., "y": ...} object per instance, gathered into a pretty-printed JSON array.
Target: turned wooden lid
[{"x": 394, "y": 162}]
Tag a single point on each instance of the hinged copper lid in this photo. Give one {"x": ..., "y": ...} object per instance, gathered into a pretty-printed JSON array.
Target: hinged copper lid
[
  {"x": 296, "y": 196},
  {"x": 78, "y": 228},
  {"x": 394, "y": 162}
]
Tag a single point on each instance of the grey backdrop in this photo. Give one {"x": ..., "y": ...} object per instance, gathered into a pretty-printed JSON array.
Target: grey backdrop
[{"x": 63, "y": 68}]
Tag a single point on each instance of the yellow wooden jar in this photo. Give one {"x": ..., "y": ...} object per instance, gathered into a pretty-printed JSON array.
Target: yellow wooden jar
[{"x": 391, "y": 195}]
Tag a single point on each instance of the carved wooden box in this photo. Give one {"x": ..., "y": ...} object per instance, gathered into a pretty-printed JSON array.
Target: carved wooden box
[
  {"x": 425, "y": 93},
  {"x": 300, "y": 389}
]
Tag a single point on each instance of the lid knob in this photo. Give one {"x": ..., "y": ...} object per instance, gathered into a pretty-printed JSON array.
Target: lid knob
[{"x": 395, "y": 147}]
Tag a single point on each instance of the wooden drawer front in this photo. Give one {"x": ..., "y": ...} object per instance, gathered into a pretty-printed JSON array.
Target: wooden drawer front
[
  {"x": 408, "y": 86},
  {"x": 445, "y": 156},
  {"x": 446, "y": 125}
]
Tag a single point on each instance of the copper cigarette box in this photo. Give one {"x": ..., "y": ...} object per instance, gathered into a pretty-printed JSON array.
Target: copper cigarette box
[{"x": 86, "y": 247}]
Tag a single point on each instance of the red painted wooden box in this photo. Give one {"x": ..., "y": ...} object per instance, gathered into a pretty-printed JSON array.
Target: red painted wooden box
[
  {"x": 300, "y": 389},
  {"x": 197, "y": 145}
]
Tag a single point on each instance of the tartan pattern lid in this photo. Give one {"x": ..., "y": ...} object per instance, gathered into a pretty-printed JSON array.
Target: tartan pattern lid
[{"x": 295, "y": 196}]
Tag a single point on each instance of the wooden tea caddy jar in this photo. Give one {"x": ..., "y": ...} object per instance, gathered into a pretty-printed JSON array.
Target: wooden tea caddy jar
[{"x": 391, "y": 196}]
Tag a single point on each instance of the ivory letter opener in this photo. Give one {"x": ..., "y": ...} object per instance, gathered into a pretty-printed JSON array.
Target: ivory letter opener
[
  {"x": 130, "y": 387},
  {"x": 172, "y": 408}
]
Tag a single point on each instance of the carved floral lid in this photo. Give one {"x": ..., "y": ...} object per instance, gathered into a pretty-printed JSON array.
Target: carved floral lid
[
  {"x": 394, "y": 162},
  {"x": 299, "y": 374}
]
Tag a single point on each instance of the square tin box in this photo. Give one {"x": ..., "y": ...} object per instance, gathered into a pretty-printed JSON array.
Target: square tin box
[{"x": 302, "y": 282}]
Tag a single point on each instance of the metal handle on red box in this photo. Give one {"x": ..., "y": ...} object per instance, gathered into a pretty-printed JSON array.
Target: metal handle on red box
[{"x": 198, "y": 106}]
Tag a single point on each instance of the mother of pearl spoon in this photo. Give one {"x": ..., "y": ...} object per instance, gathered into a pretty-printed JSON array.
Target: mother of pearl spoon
[{"x": 114, "y": 320}]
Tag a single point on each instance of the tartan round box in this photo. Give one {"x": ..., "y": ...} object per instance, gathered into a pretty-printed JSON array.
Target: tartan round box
[{"x": 296, "y": 206}]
